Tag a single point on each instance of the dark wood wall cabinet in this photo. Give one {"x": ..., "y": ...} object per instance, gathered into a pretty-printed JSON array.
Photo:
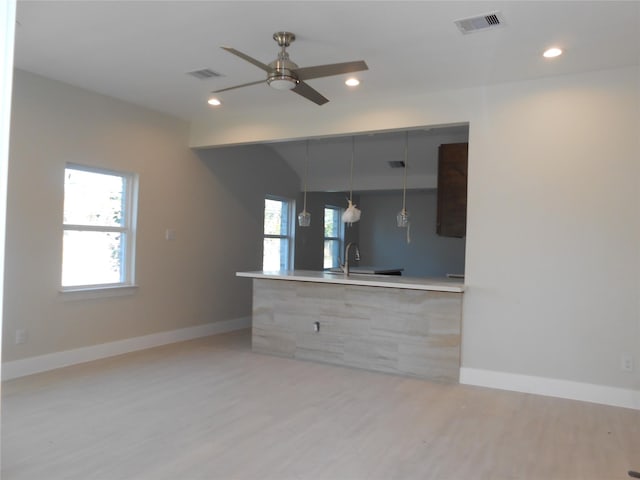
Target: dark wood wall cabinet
[{"x": 452, "y": 190}]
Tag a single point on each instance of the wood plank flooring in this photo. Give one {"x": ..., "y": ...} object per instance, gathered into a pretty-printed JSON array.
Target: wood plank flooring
[{"x": 212, "y": 409}]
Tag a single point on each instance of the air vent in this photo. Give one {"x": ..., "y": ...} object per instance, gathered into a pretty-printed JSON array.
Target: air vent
[
  {"x": 204, "y": 74},
  {"x": 481, "y": 22},
  {"x": 396, "y": 164}
]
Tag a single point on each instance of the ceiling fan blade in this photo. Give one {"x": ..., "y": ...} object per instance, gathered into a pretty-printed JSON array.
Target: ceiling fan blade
[
  {"x": 249, "y": 59},
  {"x": 307, "y": 73},
  {"x": 309, "y": 93},
  {"x": 239, "y": 86}
]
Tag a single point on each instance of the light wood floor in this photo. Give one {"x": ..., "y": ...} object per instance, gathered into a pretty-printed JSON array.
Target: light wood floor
[{"x": 212, "y": 409}]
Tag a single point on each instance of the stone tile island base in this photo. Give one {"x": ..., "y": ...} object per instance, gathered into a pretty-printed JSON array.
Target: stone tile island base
[{"x": 393, "y": 330}]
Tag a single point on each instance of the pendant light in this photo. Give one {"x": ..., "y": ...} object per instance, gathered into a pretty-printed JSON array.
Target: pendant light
[
  {"x": 352, "y": 214},
  {"x": 402, "y": 217},
  {"x": 304, "y": 217}
]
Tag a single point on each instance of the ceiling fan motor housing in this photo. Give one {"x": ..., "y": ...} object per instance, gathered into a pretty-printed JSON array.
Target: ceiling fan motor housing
[{"x": 282, "y": 76}]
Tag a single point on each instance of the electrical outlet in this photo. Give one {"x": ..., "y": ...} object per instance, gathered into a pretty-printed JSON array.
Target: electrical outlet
[
  {"x": 21, "y": 336},
  {"x": 626, "y": 363}
]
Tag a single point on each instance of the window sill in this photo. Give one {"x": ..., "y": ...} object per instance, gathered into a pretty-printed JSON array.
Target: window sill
[{"x": 86, "y": 293}]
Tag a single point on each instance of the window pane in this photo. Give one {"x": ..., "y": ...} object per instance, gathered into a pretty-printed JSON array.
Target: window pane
[
  {"x": 331, "y": 222},
  {"x": 92, "y": 258},
  {"x": 331, "y": 253},
  {"x": 93, "y": 198},
  {"x": 275, "y": 254},
  {"x": 276, "y": 217}
]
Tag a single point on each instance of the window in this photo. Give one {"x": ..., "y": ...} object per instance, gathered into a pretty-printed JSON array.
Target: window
[
  {"x": 333, "y": 236},
  {"x": 278, "y": 222},
  {"x": 98, "y": 228}
]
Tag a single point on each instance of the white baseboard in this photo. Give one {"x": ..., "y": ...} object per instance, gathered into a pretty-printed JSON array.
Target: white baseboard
[
  {"x": 51, "y": 361},
  {"x": 551, "y": 387}
]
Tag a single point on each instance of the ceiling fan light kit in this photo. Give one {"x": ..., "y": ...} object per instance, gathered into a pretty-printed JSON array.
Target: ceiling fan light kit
[
  {"x": 283, "y": 82},
  {"x": 283, "y": 74}
]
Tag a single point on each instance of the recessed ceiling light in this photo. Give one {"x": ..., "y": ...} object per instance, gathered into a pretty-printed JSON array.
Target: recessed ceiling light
[
  {"x": 552, "y": 52},
  {"x": 352, "y": 82},
  {"x": 213, "y": 101}
]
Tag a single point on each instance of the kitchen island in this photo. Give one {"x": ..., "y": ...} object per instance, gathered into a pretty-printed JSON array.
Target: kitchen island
[{"x": 393, "y": 324}]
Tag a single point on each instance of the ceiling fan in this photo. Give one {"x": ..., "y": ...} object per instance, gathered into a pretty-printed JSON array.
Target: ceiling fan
[{"x": 283, "y": 74}]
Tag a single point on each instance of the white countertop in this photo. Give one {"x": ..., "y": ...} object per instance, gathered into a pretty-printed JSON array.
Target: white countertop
[{"x": 389, "y": 281}]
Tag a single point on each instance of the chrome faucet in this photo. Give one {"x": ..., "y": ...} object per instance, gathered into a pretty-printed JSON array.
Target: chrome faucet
[{"x": 345, "y": 266}]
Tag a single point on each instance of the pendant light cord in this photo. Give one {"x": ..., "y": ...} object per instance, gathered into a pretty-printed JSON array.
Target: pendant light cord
[
  {"x": 406, "y": 165},
  {"x": 353, "y": 154},
  {"x": 404, "y": 213},
  {"x": 306, "y": 176}
]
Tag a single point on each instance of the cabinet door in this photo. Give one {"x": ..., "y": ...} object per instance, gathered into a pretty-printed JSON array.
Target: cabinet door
[{"x": 452, "y": 190}]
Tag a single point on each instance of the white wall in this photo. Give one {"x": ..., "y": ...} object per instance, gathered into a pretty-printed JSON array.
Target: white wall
[
  {"x": 215, "y": 208},
  {"x": 553, "y": 229},
  {"x": 7, "y": 21},
  {"x": 553, "y": 236}
]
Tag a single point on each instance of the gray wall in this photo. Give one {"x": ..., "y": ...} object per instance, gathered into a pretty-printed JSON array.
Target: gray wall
[
  {"x": 241, "y": 177},
  {"x": 382, "y": 243}
]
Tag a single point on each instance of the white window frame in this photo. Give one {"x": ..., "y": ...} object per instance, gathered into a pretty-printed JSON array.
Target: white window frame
[
  {"x": 339, "y": 238},
  {"x": 128, "y": 246},
  {"x": 289, "y": 236}
]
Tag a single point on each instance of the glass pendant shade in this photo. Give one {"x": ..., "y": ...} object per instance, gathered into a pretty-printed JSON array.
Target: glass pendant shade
[
  {"x": 403, "y": 218},
  {"x": 304, "y": 218},
  {"x": 352, "y": 214}
]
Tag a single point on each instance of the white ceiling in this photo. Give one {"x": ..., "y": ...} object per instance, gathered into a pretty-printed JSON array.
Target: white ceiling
[
  {"x": 328, "y": 164},
  {"x": 140, "y": 51}
]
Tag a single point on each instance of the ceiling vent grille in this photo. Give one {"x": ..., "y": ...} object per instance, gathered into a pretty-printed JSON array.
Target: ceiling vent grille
[
  {"x": 396, "y": 164},
  {"x": 204, "y": 74},
  {"x": 481, "y": 22}
]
